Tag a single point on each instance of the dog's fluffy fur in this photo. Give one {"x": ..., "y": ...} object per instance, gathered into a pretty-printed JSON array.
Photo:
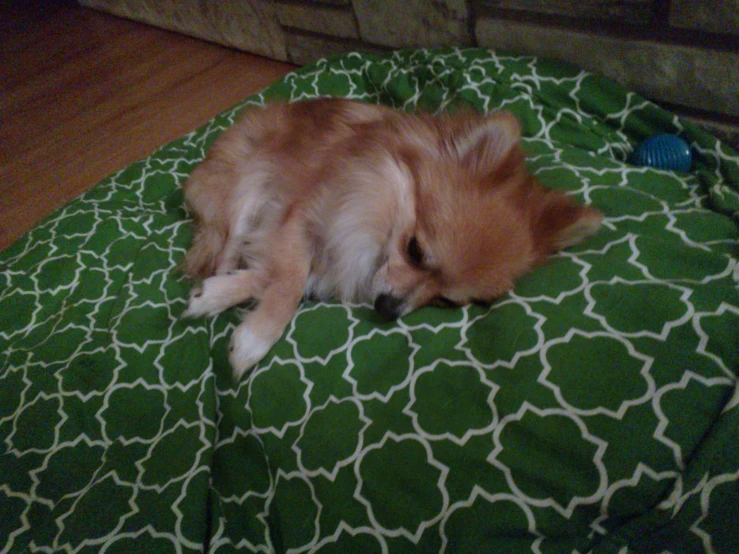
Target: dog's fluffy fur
[{"x": 335, "y": 198}]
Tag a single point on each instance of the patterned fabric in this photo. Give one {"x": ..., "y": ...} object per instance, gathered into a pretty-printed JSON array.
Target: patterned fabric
[{"x": 594, "y": 409}]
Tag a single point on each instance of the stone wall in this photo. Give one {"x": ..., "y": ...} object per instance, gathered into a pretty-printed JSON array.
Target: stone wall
[{"x": 684, "y": 53}]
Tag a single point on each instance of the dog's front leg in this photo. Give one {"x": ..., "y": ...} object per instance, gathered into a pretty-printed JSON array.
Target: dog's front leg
[
  {"x": 220, "y": 292},
  {"x": 262, "y": 327}
]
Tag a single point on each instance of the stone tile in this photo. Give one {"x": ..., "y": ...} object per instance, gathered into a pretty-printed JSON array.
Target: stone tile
[
  {"x": 249, "y": 25},
  {"x": 324, "y": 2},
  {"x": 704, "y": 79},
  {"x": 718, "y": 16},
  {"x": 627, "y": 11},
  {"x": 408, "y": 23},
  {"x": 337, "y": 22},
  {"x": 304, "y": 49}
]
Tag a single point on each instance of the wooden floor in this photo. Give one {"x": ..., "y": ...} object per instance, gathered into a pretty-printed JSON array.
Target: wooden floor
[{"x": 83, "y": 94}]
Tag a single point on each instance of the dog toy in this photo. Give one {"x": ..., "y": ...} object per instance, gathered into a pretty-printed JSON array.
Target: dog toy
[{"x": 664, "y": 152}]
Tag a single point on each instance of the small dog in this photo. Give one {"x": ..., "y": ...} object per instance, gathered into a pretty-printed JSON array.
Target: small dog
[{"x": 337, "y": 198}]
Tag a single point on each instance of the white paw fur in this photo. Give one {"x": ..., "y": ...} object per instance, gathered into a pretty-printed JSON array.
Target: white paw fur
[
  {"x": 216, "y": 294},
  {"x": 246, "y": 349}
]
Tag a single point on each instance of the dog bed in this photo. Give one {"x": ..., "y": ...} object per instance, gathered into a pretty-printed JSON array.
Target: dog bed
[{"x": 593, "y": 409}]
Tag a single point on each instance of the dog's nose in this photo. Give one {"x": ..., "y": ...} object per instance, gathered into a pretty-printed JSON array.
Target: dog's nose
[{"x": 388, "y": 306}]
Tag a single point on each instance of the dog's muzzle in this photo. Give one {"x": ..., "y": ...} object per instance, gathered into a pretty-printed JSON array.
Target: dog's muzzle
[{"x": 389, "y": 307}]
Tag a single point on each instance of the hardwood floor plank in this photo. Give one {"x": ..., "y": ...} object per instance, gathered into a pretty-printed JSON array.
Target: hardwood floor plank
[{"x": 84, "y": 94}]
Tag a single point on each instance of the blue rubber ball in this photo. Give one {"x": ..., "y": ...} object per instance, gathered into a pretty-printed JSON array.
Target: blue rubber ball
[{"x": 664, "y": 152}]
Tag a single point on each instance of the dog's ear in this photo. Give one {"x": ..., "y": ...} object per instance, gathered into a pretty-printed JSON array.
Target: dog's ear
[
  {"x": 586, "y": 222},
  {"x": 565, "y": 223},
  {"x": 491, "y": 144}
]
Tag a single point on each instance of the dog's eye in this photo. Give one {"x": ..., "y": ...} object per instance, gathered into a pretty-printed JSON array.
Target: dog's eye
[{"x": 415, "y": 254}]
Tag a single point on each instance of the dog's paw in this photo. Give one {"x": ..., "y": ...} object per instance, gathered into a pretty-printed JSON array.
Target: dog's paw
[
  {"x": 215, "y": 294},
  {"x": 246, "y": 349},
  {"x": 194, "y": 304},
  {"x": 200, "y": 302}
]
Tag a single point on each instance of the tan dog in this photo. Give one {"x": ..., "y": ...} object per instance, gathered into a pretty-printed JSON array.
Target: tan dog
[{"x": 336, "y": 198}]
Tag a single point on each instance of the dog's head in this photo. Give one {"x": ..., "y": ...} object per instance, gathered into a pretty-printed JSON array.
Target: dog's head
[{"x": 480, "y": 219}]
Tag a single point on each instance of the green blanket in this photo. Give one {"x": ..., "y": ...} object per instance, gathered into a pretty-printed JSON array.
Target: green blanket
[{"x": 594, "y": 409}]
